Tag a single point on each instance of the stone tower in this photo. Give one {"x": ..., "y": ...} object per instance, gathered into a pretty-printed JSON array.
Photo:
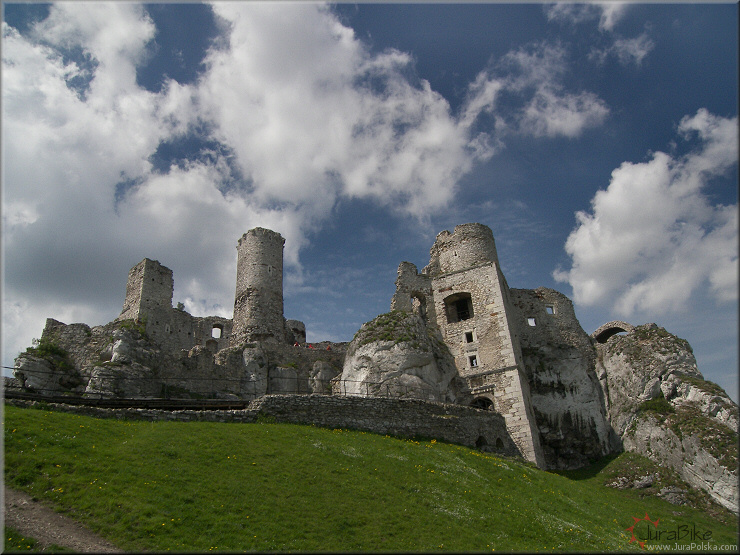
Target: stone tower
[
  {"x": 148, "y": 290},
  {"x": 465, "y": 293},
  {"x": 258, "y": 302}
]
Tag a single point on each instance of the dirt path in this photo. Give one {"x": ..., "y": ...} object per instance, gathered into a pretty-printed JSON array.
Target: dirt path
[{"x": 48, "y": 527}]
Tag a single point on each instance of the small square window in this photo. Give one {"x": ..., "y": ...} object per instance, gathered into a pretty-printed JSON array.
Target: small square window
[
  {"x": 550, "y": 309},
  {"x": 531, "y": 322},
  {"x": 473, "y": 360},
  {"x": 469, "y": 337}
]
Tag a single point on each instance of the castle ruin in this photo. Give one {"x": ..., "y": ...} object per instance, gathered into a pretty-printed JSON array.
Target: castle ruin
[
  {"x": 461, "y": 356},
  {"x": 258, "y": 301}
]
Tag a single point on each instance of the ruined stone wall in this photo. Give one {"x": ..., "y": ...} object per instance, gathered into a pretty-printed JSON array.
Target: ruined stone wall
[
  {"x": 258, "y": 301},
  {"x": 470, "y": 302},
  {"x": 413, "y": 292},
  {"x": 398, "y": 417},
  {"x": 485, "y": 334},
  {"x": 468, "y": 246},
  {"x": 559, "y": 360},
  {"x": 149, "y": 301},
  {"x": 149, "y": 287},
  {"x": 546, "y": 317}
]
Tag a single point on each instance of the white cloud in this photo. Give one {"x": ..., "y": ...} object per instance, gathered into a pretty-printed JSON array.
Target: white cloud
[
  {"x": 304, "y": 111},
  {"x": 626, "y": 51},
  {"x": 608, "y": 13},
  {"x": 552, "y": 114},
  {"x": 611, "y": 13},
  {"x": 653, "y": 236},
  {"x": 313, "y": 117},
  {"x": 534, "y": 76}
]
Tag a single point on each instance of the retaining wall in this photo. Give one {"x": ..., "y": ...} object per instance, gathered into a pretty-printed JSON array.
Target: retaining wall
[{"x": 407, "y": 418}]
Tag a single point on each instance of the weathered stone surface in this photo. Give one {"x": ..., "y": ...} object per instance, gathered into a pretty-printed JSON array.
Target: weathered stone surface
[
  {"x": 322, "y": 373},
  {"x": 399, "y": 417},
  {"x": 662, "y": 408},
  {"x": 690, "y": 455},
  {"x": 131, "y": 380},
  {"x": 674, "y": 495},
  {"x": 396, "y": 355},
  {"x": 560, "y": 360},
  {"x": 283, "y": 380},
  {"x": 633, "y": 368},
  {"x": 38, "y": 374}
]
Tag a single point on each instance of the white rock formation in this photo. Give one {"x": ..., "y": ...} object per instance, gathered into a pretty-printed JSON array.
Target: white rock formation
[
  {"x": 661, "y": 406},
  {"x": 395, "y": 355}
]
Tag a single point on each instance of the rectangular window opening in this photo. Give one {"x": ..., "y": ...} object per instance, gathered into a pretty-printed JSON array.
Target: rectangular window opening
[
  {"x": 531, "y": 321},
  {"x": 473, "y": 360},
  {"x": 469, "y": 337},
  {"x": 550, "y": 309}
]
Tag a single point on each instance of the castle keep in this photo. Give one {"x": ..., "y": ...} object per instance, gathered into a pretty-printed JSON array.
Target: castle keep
[{"x": 463, "y": 292}]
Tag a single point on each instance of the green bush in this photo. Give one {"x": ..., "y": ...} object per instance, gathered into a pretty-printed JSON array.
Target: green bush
[{"x": 657, "y": 405}]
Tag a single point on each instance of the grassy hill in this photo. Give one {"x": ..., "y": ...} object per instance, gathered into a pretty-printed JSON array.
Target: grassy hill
[{"x": 257, "y": 487}]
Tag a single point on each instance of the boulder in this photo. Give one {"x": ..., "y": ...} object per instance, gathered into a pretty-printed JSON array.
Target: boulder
[
  {"x": 396, "y": 355},
  {"x": 37, "y": 374},
  {"x": 322, "y": 373}
]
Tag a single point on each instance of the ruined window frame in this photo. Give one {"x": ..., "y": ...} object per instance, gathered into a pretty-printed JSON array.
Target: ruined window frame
[{"x": 453, "y": 309}]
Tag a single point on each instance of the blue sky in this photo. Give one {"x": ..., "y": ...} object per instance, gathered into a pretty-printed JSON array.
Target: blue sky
[{"x": 598, "y": 141}]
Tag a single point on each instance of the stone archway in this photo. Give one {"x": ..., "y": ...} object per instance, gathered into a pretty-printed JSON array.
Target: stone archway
[{"x": 605, "y": 331}]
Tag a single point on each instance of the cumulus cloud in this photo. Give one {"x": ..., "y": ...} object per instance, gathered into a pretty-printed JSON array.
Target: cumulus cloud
[
  {"x": 295, "y": 115},
  {"x": 529, "y": 82},
  {"x": 653, "y": 237}
]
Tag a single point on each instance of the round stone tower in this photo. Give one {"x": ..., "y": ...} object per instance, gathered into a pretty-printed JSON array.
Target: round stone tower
[
  {"x": 470, "y": 245},
  {"x": 258, "y": 302}
]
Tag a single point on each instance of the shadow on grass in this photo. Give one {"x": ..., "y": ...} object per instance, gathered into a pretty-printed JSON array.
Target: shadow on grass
[{"x": 590, "y": 471}]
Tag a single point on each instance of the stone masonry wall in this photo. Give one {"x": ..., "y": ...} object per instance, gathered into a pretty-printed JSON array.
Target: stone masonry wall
[
  {"x": 258, "y": 301},
  {"x": 464, "y": 265},
  {"x": 559, "y": 359},
  {"x": 469, "y": 245},
  {"x": 149, "y": 287},
  {"x": 398, "y": 417}
]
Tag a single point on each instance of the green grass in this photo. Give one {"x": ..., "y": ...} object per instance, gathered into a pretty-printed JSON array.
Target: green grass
[
  {"x": 15, "y": 542},
  {"x": 259, "y": 487}
]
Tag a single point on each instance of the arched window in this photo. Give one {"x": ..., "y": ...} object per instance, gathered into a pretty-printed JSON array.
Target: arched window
[
  {"x": 216, "y": 331},
  {"x": 459, "y": 307}
]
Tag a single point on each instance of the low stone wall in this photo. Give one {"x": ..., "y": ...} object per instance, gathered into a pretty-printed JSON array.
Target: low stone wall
[{"x": 398, "y": 417}]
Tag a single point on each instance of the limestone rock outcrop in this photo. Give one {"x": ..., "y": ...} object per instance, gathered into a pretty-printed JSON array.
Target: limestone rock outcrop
[
  {"x": 397, "y": 355},
  {"x": 661, "y": 406}
]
